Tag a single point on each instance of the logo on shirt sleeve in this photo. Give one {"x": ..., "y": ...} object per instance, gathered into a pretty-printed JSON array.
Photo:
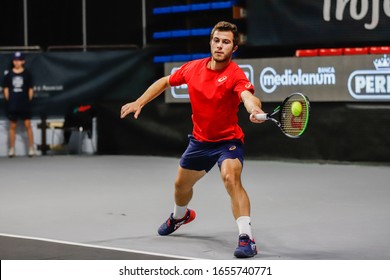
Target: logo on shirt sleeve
[{"x": 248, "y": 85}]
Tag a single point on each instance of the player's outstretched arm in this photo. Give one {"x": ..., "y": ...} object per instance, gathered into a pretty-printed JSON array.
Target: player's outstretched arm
[
  {"x": 151, "y": 93},
  {"x": 252, "y": 104}
]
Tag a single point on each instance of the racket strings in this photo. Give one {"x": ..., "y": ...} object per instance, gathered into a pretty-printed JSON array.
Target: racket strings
[{"x": 290, "y": 124}]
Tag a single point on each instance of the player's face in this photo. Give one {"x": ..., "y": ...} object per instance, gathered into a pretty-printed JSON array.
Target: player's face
[{"x": 222, "y": 46}]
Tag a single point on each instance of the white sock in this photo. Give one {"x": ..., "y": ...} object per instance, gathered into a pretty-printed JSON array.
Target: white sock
[
  {"x": 179, "y": 211},
  {"x": 244, "y": 225}
]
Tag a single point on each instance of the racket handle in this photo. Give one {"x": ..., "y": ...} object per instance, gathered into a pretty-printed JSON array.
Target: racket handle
[{"x": 261, "y": 117}]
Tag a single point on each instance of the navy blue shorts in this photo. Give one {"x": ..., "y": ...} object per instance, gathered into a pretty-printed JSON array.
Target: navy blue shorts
[
  {"x": 203, "y": 155},
  {"x": 19, "y": 115}
]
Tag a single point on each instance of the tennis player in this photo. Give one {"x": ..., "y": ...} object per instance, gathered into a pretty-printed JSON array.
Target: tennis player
[{"x": 216, "y": 87}]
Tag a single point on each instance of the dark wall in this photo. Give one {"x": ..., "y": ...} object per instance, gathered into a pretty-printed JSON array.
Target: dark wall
[
  {"x": 11, "y": 23},
  {"x": 273, "y": 28},
  {"x": 53, "y": 23}
]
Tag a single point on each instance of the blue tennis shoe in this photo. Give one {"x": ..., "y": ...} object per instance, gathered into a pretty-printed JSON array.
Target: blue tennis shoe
[
  {"x": 246, "y": 247},
  {"x": 172, "y": 225}
]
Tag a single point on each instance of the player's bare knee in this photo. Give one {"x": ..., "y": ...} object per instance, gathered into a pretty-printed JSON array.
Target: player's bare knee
[
  {"x": 181, "y": 187},
  {"x": 231, "y": 181},
  {"x": 231, "y": 175}
]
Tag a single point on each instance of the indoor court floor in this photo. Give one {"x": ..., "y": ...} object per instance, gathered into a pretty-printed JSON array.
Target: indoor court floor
[{"x": 109, "y": 207}]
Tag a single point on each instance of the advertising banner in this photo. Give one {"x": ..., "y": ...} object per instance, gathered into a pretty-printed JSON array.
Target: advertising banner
[
  {"x": 317, "y": 22},
  {"x": 337, "y": 78},
  {"x": 66, "y": 79}
]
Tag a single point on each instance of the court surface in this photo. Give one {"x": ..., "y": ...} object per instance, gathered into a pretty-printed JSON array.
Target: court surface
[{"x": 109, "y": 207}]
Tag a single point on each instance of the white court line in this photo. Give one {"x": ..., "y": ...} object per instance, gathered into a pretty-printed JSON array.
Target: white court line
[{"x": 97, "y": 246}]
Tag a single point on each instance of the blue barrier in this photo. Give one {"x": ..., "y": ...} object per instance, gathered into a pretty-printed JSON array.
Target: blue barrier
[
  {"x": 194, "y": 7},
  {"x": 180, "y": 9},
  {"x": 162, "y": 10},
  {"x": 179, "y": 57},
  {"x": 182, "y": 33},
  {"x": 162, "y": 34},
  {"x": 200, "y": 31},
  {"x": 200, "y": 7}
]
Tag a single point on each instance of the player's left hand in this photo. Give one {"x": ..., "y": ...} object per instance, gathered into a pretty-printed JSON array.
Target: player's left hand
[{"x": 132, "y": 107}]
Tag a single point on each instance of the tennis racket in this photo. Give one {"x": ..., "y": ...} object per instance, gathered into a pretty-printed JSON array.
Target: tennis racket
[{"x": 290, "y": 117}]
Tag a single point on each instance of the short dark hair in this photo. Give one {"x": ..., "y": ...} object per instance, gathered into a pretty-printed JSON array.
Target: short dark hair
[{"x": 227, "y": 26}]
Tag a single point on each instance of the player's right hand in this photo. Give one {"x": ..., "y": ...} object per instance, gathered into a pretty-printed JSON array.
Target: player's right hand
[{"x": 252, "y": 116}]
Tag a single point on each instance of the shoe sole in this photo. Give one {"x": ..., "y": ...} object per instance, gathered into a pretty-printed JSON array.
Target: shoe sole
[{"x": 241, "y": 255}]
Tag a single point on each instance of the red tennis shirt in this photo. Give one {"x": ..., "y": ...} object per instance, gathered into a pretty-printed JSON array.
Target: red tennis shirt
[{"x": 215, "y": 98}]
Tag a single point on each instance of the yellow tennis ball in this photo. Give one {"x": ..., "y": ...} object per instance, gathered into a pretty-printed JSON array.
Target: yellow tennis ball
[{"x": 296, "y": 108}]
